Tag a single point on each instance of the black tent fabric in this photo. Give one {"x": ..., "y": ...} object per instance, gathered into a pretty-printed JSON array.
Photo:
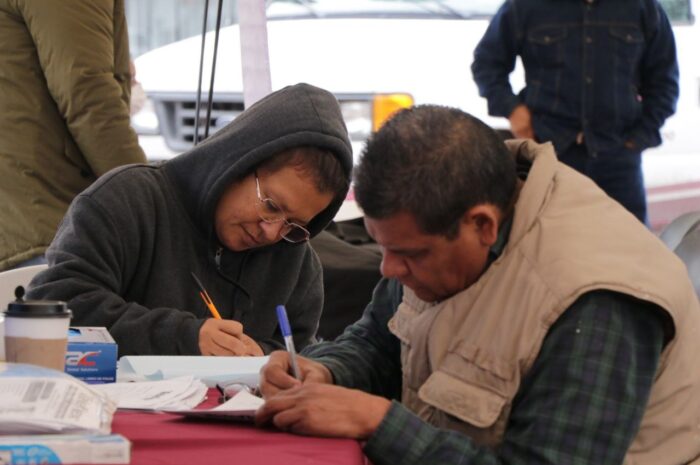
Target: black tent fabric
[{"x": 350, "y": 262}]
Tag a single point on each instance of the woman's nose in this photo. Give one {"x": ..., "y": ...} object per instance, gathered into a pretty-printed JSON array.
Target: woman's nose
[{"x": 272, "y": 231}]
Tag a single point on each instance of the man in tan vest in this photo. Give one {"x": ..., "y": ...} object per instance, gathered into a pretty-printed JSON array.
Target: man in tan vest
[{"x": 525, "y": 317}]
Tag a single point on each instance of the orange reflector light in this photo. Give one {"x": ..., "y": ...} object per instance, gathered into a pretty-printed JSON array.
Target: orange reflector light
[{"x": 386, "y": 105}]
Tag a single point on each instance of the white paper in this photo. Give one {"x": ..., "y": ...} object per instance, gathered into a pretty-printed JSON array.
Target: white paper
[
  {"x": 177, "y": 394},
  {"x": 240, "y": 407},
  {"x": 40, "y": 400},
  {"x": 210, "y": 370}
]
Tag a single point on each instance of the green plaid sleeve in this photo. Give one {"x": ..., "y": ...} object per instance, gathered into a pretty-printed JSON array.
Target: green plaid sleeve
[
  {"x": 367, "y": 355},
  {"x": 581, "y": 403}
]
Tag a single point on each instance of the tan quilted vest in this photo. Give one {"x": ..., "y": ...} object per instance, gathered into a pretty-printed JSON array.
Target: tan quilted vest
[{"x": 463, "y": 358}]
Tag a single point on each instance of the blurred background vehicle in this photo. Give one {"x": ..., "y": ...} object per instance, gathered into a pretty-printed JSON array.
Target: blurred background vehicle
[{"x": 376, "y": 56}]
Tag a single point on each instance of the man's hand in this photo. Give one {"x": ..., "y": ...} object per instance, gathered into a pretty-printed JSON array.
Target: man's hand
[
  {"x": 521, "y": 122},
  {"x": 225, "y": 337},
  {"x": 324, "y": 410},
  {"x": 276, "y": 375}
]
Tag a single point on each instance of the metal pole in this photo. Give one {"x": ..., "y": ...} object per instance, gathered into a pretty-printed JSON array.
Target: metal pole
[
  {"x": 213, "y": 68},
  {"x": 199, "y": 82}
]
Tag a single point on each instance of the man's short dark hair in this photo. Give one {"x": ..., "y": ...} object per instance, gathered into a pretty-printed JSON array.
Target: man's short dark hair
[
  {"x": 436, "y": 163},
  {"x": 321, "y": 165}
]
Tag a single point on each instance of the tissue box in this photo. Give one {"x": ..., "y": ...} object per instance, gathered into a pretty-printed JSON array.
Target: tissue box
[{"x": 91, "y": 355}]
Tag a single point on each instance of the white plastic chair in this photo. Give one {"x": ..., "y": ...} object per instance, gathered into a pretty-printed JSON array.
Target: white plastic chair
[
  {"x": 689, "y": 251},
  {"x": 10, "y": 279},
  {"x": 673, "y": 234},
  {"x": 682, "y": 236}
]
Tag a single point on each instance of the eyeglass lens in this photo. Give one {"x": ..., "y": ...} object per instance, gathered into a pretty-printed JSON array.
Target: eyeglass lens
[{"x": 270, "y": 212}]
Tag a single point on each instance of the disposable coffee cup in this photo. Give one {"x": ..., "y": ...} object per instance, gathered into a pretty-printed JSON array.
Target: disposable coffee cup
[{"x": 36, "y": 332}]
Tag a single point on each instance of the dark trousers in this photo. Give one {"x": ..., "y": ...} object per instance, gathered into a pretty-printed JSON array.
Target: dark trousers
[{"x": 618, "y": 173}]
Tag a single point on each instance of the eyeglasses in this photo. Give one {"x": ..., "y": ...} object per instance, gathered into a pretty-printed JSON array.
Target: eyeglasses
[{"x": 270, "y": 212}]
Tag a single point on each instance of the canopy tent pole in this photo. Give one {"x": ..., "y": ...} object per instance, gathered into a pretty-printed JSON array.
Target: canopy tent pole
[
  {"x": 255, "y": 56},
  {"x": 255, "y": 60}
]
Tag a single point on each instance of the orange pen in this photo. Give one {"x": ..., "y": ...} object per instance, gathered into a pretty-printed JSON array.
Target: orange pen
[{"x": 205, "y": 297}]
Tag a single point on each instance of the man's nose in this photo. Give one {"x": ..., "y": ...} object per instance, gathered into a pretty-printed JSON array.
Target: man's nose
[
  {"x": 272, "y": 231},
  {"x": 392, "y": 266}
]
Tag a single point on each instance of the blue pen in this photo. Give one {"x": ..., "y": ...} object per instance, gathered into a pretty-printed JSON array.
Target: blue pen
[{"x": 288, "y": 341}]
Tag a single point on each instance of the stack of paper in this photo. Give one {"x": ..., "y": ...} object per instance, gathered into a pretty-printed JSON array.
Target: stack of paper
[
  {"x": 210, "y": 370},
  {"x": 39, "y": 400},
  {"x": 180, "y": 393}
]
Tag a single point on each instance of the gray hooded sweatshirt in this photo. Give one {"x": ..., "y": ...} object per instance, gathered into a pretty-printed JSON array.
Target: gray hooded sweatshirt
[{"x": 123, "y": 255}]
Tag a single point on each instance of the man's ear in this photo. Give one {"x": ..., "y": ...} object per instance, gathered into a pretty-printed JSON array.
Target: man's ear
[{"x": 484, "y": 219}]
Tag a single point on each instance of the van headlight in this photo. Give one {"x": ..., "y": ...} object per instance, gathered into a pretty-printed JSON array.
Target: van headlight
[
  {"x": 144, "y": 120},
  {"x": 385, "y": 105},
  {"x": 362, "y": 117}
]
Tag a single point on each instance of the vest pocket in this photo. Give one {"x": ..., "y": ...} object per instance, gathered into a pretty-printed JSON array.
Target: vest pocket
[
  {"x": 471, "y": 385},
  {"x": 473, "y": 404}
]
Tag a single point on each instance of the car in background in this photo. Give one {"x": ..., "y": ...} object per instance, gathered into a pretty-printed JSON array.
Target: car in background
[{"x": 380, "y": 55}]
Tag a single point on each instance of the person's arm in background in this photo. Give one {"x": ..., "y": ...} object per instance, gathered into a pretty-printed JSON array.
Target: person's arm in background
[
  {"x": 494, "y": 60},
  {"x": 80, "y": 44},
  {"x": 659, "y": 87}
]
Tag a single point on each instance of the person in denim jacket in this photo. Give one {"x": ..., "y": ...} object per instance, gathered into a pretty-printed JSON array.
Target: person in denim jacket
[{"x": 601, "y": 78}]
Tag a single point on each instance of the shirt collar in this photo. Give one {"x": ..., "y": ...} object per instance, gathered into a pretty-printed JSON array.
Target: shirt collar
[{"x": 501, "y": 241}]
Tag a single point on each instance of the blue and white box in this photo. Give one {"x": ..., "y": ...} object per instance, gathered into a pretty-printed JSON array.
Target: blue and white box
[
  {"x": 91, "y": 355},
  {"x": 64, "y": 448}
]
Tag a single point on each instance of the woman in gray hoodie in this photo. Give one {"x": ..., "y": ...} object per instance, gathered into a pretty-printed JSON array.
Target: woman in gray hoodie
[{"x": 236, "y": 211}]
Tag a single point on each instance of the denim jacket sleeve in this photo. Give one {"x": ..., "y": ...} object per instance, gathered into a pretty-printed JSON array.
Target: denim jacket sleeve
[
  {"x": 659, "y": 79},
  {"x": 494, "y": 60}
]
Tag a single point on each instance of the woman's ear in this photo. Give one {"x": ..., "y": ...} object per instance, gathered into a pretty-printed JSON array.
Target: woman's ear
[{"x": 484, "y": 218}]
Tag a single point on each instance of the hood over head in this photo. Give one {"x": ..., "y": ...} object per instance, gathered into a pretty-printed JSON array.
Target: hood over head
[{"x": 298, "y": 115}]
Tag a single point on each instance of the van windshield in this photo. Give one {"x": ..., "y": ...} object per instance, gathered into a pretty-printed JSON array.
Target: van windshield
[{"x": 445, "y": 9}]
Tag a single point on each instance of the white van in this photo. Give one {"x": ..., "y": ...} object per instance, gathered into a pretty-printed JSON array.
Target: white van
[{"x": 375, "y": 55}]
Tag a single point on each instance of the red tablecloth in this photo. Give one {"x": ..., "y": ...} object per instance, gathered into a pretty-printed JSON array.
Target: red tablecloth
[{"x": 172, "y": 440}]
